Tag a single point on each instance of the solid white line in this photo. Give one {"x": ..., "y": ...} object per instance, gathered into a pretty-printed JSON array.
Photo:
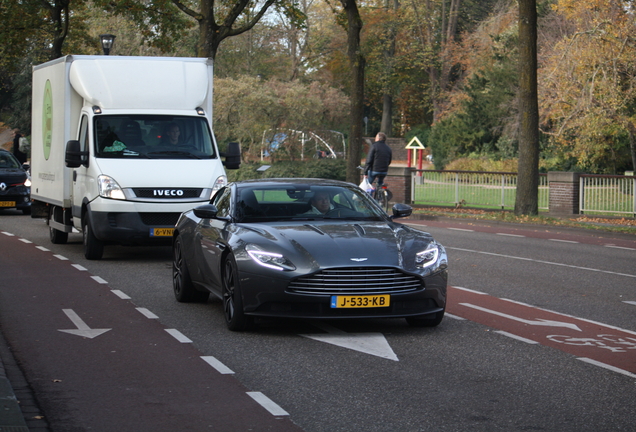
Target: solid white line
[
  {"x": 620, "y": 247},
  {"x": 563, "y": 241},
  {"x": 510, "y": 235},
  {"x": 99, "y": 280},
  {"x": 268, "y": 404},
  {"x": 42, "y": 248},
  {"x": 461, "y": 229},
  {"x": 455, "y": 317},
  {"x": 8, "y": 234},
  {"x": 61, "y": 257},
  {"x": 606, "y": 366},
  {"x": 145, "y": 312},
  {"x": 79, "y": 267},
  {"x": 469, "y": 290},
  {"x": 513, "y": 336},
  {"x": 542, "y": 262},
  {"x": 178, "y": 336},
  {"x": 25, "y": 240},
  {"x": 220, "y": 367},
  {"x": 122, "y": 295}
]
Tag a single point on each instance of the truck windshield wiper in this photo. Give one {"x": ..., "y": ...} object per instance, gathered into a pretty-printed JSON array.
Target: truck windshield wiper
[{"x": 174, "y": 153}]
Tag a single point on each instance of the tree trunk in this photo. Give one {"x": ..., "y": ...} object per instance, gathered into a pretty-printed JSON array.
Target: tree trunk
[
  {"x": 357, "y": 63},
  {"x": 387, "y": 114},
  {"x": 527, "y": 200}
]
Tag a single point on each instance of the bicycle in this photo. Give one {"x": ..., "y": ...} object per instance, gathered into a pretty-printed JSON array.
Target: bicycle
[{"x": 381, "y": 194}]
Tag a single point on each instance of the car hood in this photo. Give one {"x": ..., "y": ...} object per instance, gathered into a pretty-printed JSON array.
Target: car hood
[
  {"x": 12, "y": 175},
  {"x": 337, "y": 244}
]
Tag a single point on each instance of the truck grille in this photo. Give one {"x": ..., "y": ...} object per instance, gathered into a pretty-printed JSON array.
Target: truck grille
[
  {"x": 160, "y": 219},
  {"x": 167, "y": 193},
  {"x": 357, "y": 280}
]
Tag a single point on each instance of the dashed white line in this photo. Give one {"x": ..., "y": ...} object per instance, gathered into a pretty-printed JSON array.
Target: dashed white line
[
  {"x": 455, "y": 317},
  {"x": 42, "y": 248},
  {"x": 514, "y": 336},
  {"x": 23, "y": 240},
  {"x": 606, "y": 366},
  {"x": 99, "y": 280},
  {"x": 510, "y": 235},
  {"x": 122, "y": 295},
  {"x": 178, "y": 336},
  {"x": 461, "y": 229},
  {"x": 469, "y": 290},
  {"x": 563, "y": 241},
  {"x": 268, "y": 404},
  {"x": 61, "y": 257},
  {"x": 542, "y": 262},
  {"x": 79, "y": 267},
  {"x": 8, "y": 234},
  {"x": 620, "y": 247},
  {"x": 147, "y": 313},
  {"x": 220, "y": 367}
]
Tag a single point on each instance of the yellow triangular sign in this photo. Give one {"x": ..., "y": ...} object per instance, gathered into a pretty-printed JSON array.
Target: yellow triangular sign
[{"x": 415, "y": 144}]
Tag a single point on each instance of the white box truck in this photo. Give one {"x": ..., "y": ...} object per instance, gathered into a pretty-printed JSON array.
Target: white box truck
[{"x": 121, "y": 146}]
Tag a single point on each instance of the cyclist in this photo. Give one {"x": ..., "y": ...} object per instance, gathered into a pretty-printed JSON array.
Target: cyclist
[{"x": 378, "y": 160}]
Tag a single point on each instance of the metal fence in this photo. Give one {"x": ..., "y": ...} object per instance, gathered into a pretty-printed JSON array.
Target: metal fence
[
  {"x": 607, "y": 195},
  {"x": 490, "y": 190}
]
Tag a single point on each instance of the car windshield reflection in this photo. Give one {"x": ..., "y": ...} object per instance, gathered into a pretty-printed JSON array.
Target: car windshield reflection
[{"x": 304, "y": 203}]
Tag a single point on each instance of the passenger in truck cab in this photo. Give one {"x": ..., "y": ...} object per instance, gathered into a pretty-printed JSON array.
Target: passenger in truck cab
[{"x": 172, "y": 135}]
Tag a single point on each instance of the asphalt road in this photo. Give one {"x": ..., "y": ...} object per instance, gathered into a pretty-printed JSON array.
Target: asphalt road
[{"x": 506, "y": 358}]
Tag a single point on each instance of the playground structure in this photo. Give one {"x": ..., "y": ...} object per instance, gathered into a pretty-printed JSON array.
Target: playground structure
[{"x": 290, "y": 144}]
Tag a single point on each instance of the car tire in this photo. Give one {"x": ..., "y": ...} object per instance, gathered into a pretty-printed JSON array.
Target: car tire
[
  {"x": 184, "y": 290},
  {"x": 93, "y": 247},
  {"x": 235, "y": 317},
  {"x": 26, "y": 211},
  {"x": 426, "y": 322},
  {"x": 57, "y": 237}
]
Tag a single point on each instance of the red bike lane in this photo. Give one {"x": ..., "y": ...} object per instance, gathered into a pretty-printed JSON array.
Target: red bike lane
[
  {"x": 96, "y": 362},
  {"x": 593, "y": 342}
]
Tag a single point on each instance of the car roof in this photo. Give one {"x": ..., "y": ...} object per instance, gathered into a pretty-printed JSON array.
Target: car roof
[{"x": 273, "y": 182}]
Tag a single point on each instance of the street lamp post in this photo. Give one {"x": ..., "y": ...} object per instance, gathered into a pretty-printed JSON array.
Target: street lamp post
[{"x": 107, "y": 41}]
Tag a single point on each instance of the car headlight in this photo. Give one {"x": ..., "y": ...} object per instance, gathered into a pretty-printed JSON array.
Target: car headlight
[
  {"x": 27, "y": 182},
  {"x": 433, "y": 257},
  {"x": 270, "y": 260},
  {"x": 109, "y": 188}
]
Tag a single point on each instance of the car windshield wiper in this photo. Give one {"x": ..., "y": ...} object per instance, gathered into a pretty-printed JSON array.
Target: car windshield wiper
[{"x": 174, "y": 153}]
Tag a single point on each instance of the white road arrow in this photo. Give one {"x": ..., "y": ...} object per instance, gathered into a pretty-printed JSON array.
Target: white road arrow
[
  {"x": 539, "y": 322},
  {"x": 82, "y": 329},
  {"x": 368, "y": 343}
]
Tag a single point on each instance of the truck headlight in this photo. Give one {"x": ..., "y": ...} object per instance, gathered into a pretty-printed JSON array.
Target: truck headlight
[{"x": 109, "y": 188}]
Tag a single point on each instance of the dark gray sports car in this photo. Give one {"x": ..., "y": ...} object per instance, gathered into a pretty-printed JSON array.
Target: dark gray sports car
[{"x": 307, "y": 248}]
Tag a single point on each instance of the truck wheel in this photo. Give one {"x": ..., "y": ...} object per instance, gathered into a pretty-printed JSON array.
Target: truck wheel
[
  {"x": 93, "y": 248},
  {"x": 57, "y": 236}
]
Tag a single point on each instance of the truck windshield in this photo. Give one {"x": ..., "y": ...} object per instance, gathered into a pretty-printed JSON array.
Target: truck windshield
[{"x": 153, "y": 137}]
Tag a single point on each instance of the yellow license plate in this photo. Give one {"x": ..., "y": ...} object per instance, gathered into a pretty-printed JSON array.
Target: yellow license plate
[
  {"x": 161, "y": 232},
  {"x": 7, "y": 203},
  {"x": 368, "y": 301}
]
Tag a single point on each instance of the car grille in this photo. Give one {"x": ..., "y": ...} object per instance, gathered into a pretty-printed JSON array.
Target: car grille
[
  {"x": 161, "y": 193},
  {"x": 357, "y": 280},
  {"x": 160, "y": 219}
]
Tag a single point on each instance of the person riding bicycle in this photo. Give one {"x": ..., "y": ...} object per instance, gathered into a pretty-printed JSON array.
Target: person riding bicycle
[{"x": 378, "y": 160}]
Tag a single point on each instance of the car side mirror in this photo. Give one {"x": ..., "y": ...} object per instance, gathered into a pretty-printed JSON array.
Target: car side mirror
[
  {"x": 75, "y": 157},
  {"x": 232, "y": 156},
  {"x": 206, "y": 211},
  {"x": 401, "y": 210}
]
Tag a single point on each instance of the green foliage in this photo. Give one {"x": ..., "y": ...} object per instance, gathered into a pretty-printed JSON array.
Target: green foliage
[
  {"x": 475, "y": 162},
  {"x": 334, "y": 169}
]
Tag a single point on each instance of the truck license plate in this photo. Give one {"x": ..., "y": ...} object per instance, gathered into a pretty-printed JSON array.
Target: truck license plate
[
  {"x": 161, "y": 232},
  {"x": 360, "y": 301},
  {"x": 7, "y": 203}
]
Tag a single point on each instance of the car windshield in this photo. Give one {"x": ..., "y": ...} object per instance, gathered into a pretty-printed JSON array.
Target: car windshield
[
  {"x": 7, "y": 160},
  {"x": 153, "y": 137},
  {"x": 304, "y": 202}
]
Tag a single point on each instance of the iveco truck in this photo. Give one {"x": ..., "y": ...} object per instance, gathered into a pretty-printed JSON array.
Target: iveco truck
[{"x": 121, "y": 146}]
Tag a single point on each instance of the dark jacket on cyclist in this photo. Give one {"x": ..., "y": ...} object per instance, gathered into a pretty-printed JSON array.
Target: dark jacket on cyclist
[{"x": 379, "y": 158}]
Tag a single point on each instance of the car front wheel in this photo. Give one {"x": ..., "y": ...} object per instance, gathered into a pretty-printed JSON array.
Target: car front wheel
[{"x": 235, "y": 317}]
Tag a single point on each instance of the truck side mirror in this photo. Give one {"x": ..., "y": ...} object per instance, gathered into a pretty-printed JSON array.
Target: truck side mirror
[
  {"x": 75, "y": 157},
  {"x": 232, "y": 156}
]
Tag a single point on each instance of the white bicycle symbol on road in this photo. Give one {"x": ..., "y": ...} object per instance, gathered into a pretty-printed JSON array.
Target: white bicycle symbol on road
[{"x": 613, "y": 343}]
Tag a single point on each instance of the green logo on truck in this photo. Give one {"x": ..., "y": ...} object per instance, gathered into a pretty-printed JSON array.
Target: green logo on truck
[{"x": 47, "y": 120}]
